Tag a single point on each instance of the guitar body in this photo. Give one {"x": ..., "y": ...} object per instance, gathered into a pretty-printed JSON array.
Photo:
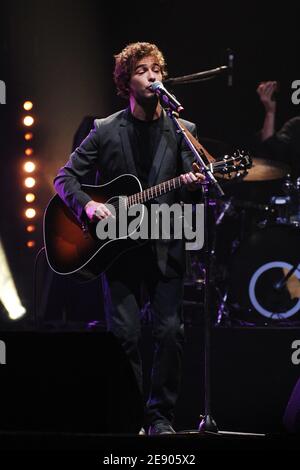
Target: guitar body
[{"x": 70, "y": 250}]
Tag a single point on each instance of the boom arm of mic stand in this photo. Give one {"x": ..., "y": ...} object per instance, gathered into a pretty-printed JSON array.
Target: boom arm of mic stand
[
  {"x": 208, "y": 173},
  {"x": 196, "y": 77}
]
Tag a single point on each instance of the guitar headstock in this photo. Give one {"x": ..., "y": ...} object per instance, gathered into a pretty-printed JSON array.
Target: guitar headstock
[{"x": 234, "y": 166}]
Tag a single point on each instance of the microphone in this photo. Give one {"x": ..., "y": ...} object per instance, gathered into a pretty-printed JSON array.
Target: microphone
[{"x": 166, "y": 96}]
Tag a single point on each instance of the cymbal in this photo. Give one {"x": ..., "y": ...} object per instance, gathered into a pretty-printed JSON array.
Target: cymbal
[{"x": 263, "y": 169}]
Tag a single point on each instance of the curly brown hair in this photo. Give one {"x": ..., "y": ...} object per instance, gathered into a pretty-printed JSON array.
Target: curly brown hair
[{"x": 126, "y": 60}]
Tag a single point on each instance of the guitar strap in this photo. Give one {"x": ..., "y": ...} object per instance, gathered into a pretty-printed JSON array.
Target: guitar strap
[{"x": 199, "y": 147}]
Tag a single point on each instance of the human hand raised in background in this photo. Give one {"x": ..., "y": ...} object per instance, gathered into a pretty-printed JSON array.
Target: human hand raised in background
[{"x": 265, "y": 92}]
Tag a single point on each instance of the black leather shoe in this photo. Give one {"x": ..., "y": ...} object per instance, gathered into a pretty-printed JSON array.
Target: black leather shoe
[{"x": 160, "y": 428}]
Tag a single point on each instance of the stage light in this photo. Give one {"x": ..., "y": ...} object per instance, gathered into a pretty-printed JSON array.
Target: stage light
[
  {"x": 30, "y": 213},
  {"x": 29, "y": 167},
  {"x": 8, "y": 292},
  {"x": 28, "y": 105},
  {"x": 28, "y": 136},
  {"x": 30, "y": 243},
  {"x": 30, "y": 197},
  {"x": 28, "y": 121},
  {"x": 28, "y": 151},
  {"x": 29, "y": 182},
  {"x": 30, "y": 228}
]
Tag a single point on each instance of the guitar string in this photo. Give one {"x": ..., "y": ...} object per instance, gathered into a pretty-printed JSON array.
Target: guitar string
[{"x": 129, "y": 199}]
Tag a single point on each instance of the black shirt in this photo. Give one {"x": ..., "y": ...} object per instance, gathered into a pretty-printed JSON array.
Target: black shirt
[{"x": 144, "y": 140}]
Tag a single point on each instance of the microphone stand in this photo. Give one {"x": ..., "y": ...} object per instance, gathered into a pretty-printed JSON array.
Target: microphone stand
[
  {"x": 207, "y": 423},
  {"x": 197, "y": 77}
]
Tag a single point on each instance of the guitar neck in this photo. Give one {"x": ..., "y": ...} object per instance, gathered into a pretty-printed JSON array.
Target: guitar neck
[
  {"x": 154, "y": 191},
  {"x": 226, "y": 166}
]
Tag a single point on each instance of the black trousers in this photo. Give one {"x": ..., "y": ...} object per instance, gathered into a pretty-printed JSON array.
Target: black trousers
[{"x": 124, "y": 280}]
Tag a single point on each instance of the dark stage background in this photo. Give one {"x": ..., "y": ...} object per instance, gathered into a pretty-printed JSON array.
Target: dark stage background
[{"x": 59, "y": 54}]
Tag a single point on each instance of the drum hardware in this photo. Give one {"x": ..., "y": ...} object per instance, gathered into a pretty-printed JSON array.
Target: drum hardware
[
  {"x": 223, "y": 313},
  {"x": 287, "y": 208},
  {"x": 250, "y": 205},
  {"x": 270, "y": 290},
  {"x": 290, "y": 187},
  {"x": 292, "y": 284},
  {"x": 227, "y": 207},
  {"x": 287, "y": 184},
  {"x": 264, "y": 281},
  {"x": 286, "y": 276},
  {"x": 281, "y": 208},
  {"x": 261, "y": 285}
]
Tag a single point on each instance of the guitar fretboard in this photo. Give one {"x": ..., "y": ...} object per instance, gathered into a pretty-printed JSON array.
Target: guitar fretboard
[
  {"x": 154, "y": 191},
  {"x": 225, "y": 166}
]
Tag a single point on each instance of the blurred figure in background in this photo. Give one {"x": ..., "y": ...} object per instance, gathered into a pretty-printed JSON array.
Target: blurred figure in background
[{"x": 283, "y": 144}]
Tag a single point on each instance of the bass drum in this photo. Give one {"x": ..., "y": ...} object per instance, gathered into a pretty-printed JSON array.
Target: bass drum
[{"x": 260, "y": 287}]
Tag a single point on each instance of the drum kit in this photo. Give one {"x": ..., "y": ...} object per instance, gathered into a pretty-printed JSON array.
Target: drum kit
[{"x": 255, "y": 248}]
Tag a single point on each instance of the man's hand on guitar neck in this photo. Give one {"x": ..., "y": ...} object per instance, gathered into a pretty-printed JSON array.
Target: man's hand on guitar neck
[
  {"x": 193, "y": 179},
  {"x": 97, "y": 211}
]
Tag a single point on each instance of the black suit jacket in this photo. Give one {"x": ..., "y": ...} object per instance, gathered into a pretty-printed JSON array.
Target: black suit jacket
[{"x": 108, "y": 148}]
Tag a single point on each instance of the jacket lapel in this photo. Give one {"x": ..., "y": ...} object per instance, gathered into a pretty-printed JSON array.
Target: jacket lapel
[{"x": 125, "y": 142}]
